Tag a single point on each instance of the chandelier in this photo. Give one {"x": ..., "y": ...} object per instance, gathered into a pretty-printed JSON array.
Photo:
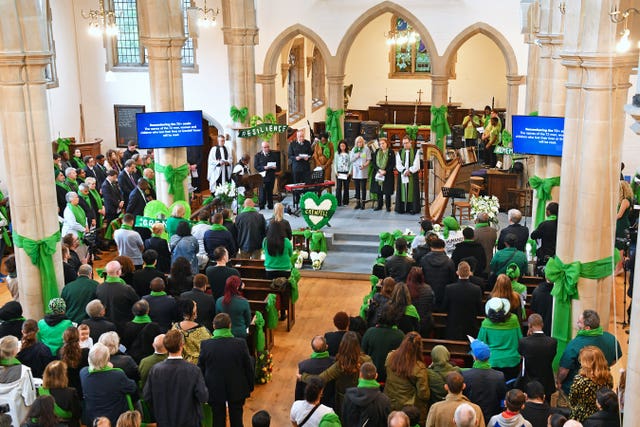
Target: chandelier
[
  {"x": 207, "y": 16},
  {"x": 616, "y": 16},
  {"x": 101, "y": 21},
  {"x": 400, "y": 37}
]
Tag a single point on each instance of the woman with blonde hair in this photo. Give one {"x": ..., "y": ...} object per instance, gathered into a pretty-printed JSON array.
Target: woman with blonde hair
[
  {"x": 504, "y": 289},
  {"x": 625, "y": 205},
  {"x": 278, "y": 216},
  {"x": 177, "y": 216},
  {"x": 129, "y": 419},
  {"x": 593, "y": 375},
  {"x": 67, "y": 401}
]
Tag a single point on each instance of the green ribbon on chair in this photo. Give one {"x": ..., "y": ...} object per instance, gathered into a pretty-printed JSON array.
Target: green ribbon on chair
[
  {"x": 439, "y": 124},
  {"x": 238, "y": 115},
  {"x": 260, "y": 340},
  {"x": 318, "y": 242},
  {"x": 272, "y": 312},
  {"x": 294, "y": 278},
  {"x": 333, "y": 126},
  {"x": 41, "y": 254},
  {"x": 543, "y": 188},
  {"x": 175, "y": 178},
  {"x": 565, "y": 279}
]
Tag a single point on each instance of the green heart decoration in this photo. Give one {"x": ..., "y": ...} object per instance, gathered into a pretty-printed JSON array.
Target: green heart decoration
[{"x": 317, "y": 210}]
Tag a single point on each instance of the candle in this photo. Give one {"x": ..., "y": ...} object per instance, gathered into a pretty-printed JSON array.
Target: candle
[{"x": 394, "y": 117}]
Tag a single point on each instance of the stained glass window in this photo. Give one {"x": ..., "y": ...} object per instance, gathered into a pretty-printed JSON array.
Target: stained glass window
[{"x": 409, "y": 53}]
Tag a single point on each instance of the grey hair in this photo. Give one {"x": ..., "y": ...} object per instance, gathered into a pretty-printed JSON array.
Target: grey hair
[
  {"x": 514, "y": 216},
  {"x": 83, "y": 187},
  {"x": 98, "y": 356},
  {"x": 68, "y": 170},
  {"x": 89, "y": 180},
  {"x": 70, "y": 196},
  {"x": 465, "y": 416},
  {"x": 111, "y": 340},
  {"x": 94, "y": 308}
]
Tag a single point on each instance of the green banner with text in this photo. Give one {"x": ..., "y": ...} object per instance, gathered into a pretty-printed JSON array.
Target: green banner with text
[
  {"x": 145, "y": 221},
  {"x": 261, "y": 129}
]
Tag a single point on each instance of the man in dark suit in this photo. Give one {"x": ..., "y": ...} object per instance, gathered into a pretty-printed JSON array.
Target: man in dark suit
[
  {"x": 100, "y": 169},
  {"x": 205, "y": 303},
  {"x": 538, "y": 351},
  {"x": 194, "y": 159},
  {"x": 547, "y": 232},
  {"x": 111, "y": 196},
  {"x": 127, "y": 180},
  {"x": 130, "y": 151},
  {"x": 264, "y": 162},
  {"x": 470, "y": 248},
  {"x": 520, "y": 231},
  {"x": 143, "y": 277},
  {"x": 116, "y": 296},
  {"x": 542, "y": 303},
  {"x": 319, "y": 361},
  {"x": 462, "y": 303},
  {"x": 228, "y": 372},
  {"x": 138, "y": 199},
  {"x": 92, "y": 170},
  {"x": 175, "y": 389}
]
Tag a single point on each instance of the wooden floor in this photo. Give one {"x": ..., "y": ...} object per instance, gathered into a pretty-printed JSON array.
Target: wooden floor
[{"x": 319, "y": 300}]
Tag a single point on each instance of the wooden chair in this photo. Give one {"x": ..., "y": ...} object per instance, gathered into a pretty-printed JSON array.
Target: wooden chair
[{"x": 464, "y": 207}]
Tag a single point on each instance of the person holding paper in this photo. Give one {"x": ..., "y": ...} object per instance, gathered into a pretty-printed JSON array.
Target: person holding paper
[
  {"x": 323, "y": 154},
  {"x": 220, "y": 161},
  {"x": 408, "y": 189},
  {"x": 384, "y": 161},
  {"x": 360, "y": 158},
  {"x": 342, "y": 167},
  {"x": 300, "y": 153},
  {"x": 469, "y": 124},
  {"x": 267, "y": 163}
]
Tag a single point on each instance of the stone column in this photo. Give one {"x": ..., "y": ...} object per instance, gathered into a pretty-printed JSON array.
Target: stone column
[
  {"x": 335, "y": 95},
  {"x": 439, "y": 94},
  {"x": 26, "y": 138},
  {"x": 241, "y": 35},
  {"x": 513, "y": 93},
  {"x": 597, "y": 84},
  {"x": 268, "y": 82},
  {"x": 162, "y": 33}
]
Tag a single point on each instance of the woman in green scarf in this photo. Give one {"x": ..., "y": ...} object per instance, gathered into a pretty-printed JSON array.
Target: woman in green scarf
[
  {"x": 75, "y": 218},
  {"x": 77, "y": 161},
  {"x": 323, "y": 155},
  {"x": 96, "y": 200},
  {"x": 384, "y": 161}
]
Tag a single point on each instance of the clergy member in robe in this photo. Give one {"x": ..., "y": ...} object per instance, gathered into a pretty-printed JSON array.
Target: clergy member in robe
[
  {"x": 220, "y": 162},
  {"x": 408, "y": 186}
]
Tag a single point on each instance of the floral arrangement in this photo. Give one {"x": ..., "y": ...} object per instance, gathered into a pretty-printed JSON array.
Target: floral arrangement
[
  {"x": 486, "y": 204},
  {"x": 226, "y": 192},
  {"x": 300, "y": 257},
  {"x": 264, "y": 367},
  {"x": 317, "y": 259}
]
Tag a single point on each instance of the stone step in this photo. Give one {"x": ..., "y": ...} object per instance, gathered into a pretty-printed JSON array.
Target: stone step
[{"x": 356, "y": 236}]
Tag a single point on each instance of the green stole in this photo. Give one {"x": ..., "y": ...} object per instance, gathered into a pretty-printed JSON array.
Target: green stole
[
  {"x": 248, "y": 209},
  {"x": 72, "y": 184},
  {"x": 96, "y": 197},
  {"x": 142, "y": 319},
  {"x": 80, "y": 215},
  {"x": 406, "y": 191},
  {"x": 219, "y": 227},
  {"x": 58, "y": 411},
  {"x": 326, "y": 151},
  {"x": 382, "y": 157},
  {"x": 362, "y": 383},
  {"x": 222, "y": 333},
  {"x": 79, "y": 162}
]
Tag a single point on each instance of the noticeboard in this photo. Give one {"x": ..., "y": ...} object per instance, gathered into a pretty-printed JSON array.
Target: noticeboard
[{"x": 125, "y": 117}]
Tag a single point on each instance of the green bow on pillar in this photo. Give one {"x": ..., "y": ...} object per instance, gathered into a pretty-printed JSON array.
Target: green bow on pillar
[
  {"x": 543, "y": 188},
  {"x": 272, "y": 312},
  {"x": 439, "y": 124},
  {"x": 333, "y": 126},
  {"x": 238, "y": 115},
  {"x": 40, "y": 252},
  {"x": 175, "y": 178},
  {"x": 260, "y": 341}
]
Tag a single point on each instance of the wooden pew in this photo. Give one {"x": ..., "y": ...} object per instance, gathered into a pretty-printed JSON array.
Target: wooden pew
[
  {"x": 251, "y": 271},
  {"x": 242, "y": 261},
  {"x": 260, "y": 288},
  {"x": 261, "y": 306},
  {"x": 457, "y": 349},
  {"x": 440, "y": 324}
]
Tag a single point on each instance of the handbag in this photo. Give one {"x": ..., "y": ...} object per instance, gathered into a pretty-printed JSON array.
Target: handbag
[{"x": 279, "y": 283}]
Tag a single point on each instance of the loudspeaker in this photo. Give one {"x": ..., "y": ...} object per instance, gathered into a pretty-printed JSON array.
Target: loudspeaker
[
  {"x": 370, "y": 130},
  {"x": 351, "y": 131},
  {"x": 457, "y": 134}
]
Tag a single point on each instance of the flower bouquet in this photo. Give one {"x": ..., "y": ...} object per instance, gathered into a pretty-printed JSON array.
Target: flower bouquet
[
  {"x": 486, "y": 204},
  {"x": 226, "y": 192},
  {"x": 264, "y": 367}
]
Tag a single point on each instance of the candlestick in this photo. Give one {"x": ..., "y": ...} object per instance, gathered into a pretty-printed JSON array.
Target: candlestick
[{"x": 394, "y": 117}]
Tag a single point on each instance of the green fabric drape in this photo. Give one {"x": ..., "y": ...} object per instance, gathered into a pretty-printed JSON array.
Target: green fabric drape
[
  {"x": 41, "y": 254},
  {"x": 333, "y": 126},
  {"x": 175, "y": 178},
  {"x": 272, "y": 312},
  {"x": 439, "y": 124},
  {"x": 565, "y": 279},
  {"x": 318, "y": 242},
  {"x": 238, "y": 115},
  {"x": 412, "y": 132},
  {"x": 63, "y": 144},
  {"x": 543, "y": 188},
  {"x": 260, "y": 340},
  {"x": 294, "y": 278}
]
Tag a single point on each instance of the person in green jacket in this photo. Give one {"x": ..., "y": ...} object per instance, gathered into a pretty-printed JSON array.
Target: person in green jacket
[
  {"x": 501, "y": 332},
  {"x": 236, "y": 306},
  {"x": 438, "y": 370},
  {"x": 504, "y": 257},
  {"x": 52, "y": 327},
  {"x": 277, "y": 250},
  {"x": 177, "y": 216}
]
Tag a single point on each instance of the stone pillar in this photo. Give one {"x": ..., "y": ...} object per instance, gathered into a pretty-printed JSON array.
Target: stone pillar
[
  {"x": 241, "y": 35},
  {"x": 335, "y": 95},
  {"x": 26, "y": 139},
  {"x": 597, "y": 84},
  {"x": 162, "y": 33},
  {"x": 439, "y": 94},
  {"x": 268, "y": 82},
  {"x": 513, "y": 91}
]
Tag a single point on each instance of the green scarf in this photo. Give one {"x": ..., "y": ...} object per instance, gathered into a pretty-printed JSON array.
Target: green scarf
[
  {"x": 158, "y": 294},
  {"x": 406, "y": 191},
  {"x": 58, "y": 411},
  {"x": 64, "y": 185},
  {"x": 382, "y": 156},
  {"x": 411, "y": 311},
  {"x": 222, "y": 333},
  {"x": 368, "y": 383},
  {"x": 80, "y": 215},
  {"x": 218, "y": 227},
  {"x": 126, "y": 227},
  {"x": 320, "y": 355},
  {"x": 518, "y": 287},
  {"x": 396, "y": 253},
  {"x": 479, "y": 364},
  {"x": 113, "y": 279},
  {"x": 482, "y": 224},
  {"x": 96, "y": 196},
  {"x": 85, "y": 197},
  {"x": 248, "y": 209},
  {"x": 357, "y": 149},
  {"x": 326, "y": 151},
  {"x": 12, "y": 361},
  {"x": 79, "y": 162},
  {"x": 552, "y": 218},
  {"x": 159, "y": 236},
  {"x": 142, "y": 319},
  {"x": 590, "y": 332}
]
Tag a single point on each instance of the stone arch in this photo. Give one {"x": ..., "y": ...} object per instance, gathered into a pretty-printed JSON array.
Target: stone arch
[
  {"x": 368, "y": 16},
  {"x": 284, "y": 38},
  {"x": 212, "y": 121},
  {"x": 488, "y": 31}
]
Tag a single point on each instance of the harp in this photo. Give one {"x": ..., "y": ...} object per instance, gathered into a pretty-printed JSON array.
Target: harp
[{"x": 435, "y": 211}]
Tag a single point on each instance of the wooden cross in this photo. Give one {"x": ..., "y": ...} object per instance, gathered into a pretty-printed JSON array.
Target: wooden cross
[{"x": 419, "y": 96}]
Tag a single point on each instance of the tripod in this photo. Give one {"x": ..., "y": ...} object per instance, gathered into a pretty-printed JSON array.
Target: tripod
[{"x": 627, "y": 268}]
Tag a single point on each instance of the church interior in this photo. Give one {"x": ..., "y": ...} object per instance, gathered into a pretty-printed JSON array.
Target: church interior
[{"x": 81, "y": 69}]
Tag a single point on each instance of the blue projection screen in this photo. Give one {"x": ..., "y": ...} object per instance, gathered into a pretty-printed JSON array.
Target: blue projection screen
[
  {"x": 169, "y": 129},
  {"x": 538, "y": 135}
]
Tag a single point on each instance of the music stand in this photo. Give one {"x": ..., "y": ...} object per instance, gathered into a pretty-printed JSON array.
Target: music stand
[
  {"x": 453, "y": 193},
  {"x": 317, "y": 177}
]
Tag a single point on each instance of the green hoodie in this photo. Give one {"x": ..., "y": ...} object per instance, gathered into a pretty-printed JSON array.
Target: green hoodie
[{"x": 503, "y": 340}]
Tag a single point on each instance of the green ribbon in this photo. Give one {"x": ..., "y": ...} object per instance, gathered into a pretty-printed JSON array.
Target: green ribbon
[
  {"x": 11, "y": 361},
  {"x": 218, "y": 227},
  {"x": 238, "y": 115},
  {"x": 333, "y": 126},
  {"x": 63, "y": 144},
  {"x": 158, "y": 293},
  {"x": 40, "y": 252},
  {"x": 439, "y": 124},
  {"x": 412, "y": 132},
  {"x": 248, "y": 209},
  {"x": 142, "y": 319},
  {"x": 260, "y": 340},
  {"x": 175, "y": 178},
  {"x": 481, "y": 364},
  {"x": 386, "y": 239},
  {"x": 543, "y": 188},
  {"x": 318, "y": 242},
  {"x": 222, "y": 333},
  {"x": 319, "y": 354},
  {"x": 3, "y": 230},
  {"x": 591, "y": 332},
  {"x": 565, "y": 288},
  {"x": 294, "y": 278},
  {"x": 272, "y": 312}
]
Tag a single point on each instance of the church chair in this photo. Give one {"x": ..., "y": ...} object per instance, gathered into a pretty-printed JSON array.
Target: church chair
[{"x": 462, "y": 209}]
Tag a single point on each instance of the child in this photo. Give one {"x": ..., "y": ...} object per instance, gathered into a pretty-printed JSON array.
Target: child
[
  {"x": 85, "y": 340},
  {"x": 514, "y": 401}
]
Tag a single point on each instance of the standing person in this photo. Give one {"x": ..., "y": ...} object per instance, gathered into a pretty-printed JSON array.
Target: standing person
[
  {"x": 142, "y": 278},
  {"x": 127, "y": 180},
  {"x": 219, "y": 272},
  {"x": 399, "y": 264},
  {"x": 75, "y": 218},
  {"x": 218, "y": 235},
  {"x": 486, "y": 235},
  {"x": 520, "y": 232},
  {"x": 113, "y": 161},
  {"x": 159, "y": 355},
  {"x": 161, "y": 246},
  {"x": 251, "y": 227},
  {"x": 175, "y": 389},
  {"x": 228, "y": 372},
  {"x": 220, "y": 161},
  {"x": 130, "y": 151},
  {"x": 236, "y": 306},
  {"x": 278, "y": 250},
  {"x": 342, "y": 169},
  {"x": 278, "y": 216},
  {"x": 129, "y": 242},
  {"x": 53, "y": 325},
  {"x": 112, "y": 196},
  {"x": 56, "y": 384},
  {"x": 625, "y": 206},
  {"x": 79, "y": 293},
  {"x": 177, "y": 216},
  {"x": 299, "y": 154},
  {"x": 360, "y": 158},
  {"x": 194, "y": 159},
  {"x": 267, "y": 163},
  {"x": 438, "y": 373},
  {"x": 470, "y": 123},
  {"x": 439, "y": 268},
  {"x": 184, "y": 245},
  {"x": 442, "y": 412},
  {"x": 194, "y": 333},
  {"x": 608, "y": 414},
  {"x": 205, "y": 303},
  {"x": 378, "y": 341},
  {"x": 492, "y": 140},
  {"x": 384, "y": 162},
  {"x": 408, "y": 188},
  {"x": 547, "y": 232},
  {"x": 514, "y": 402},
  {"x": 538, "y": 352},
  {"x": 323, "y": 154},
  {"x": 593, "y": 374},
  {"x": 16, "y": 382},
  {"x": 536, "y": 410},
  {"x": 310, "y": 411},
  {"x": 116, "y": 296},
  {"x": 319, "y": 361}
]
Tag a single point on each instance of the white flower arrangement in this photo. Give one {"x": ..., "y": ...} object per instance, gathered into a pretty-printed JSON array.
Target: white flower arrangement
[
  {"x": 486, "y": 204},
  {"x": 437, "y": 228},
  {"x": 317, "y": 259},
  {"x": 226, "y": 192}
]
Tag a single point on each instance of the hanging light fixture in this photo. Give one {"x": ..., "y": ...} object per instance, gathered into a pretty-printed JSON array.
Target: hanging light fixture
[
  {"x": 616, "y": 16},
  {"x": 400, "y": 37},
  {"x": 206, "y": 16},
  {"x": 101, "y": 21}
]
